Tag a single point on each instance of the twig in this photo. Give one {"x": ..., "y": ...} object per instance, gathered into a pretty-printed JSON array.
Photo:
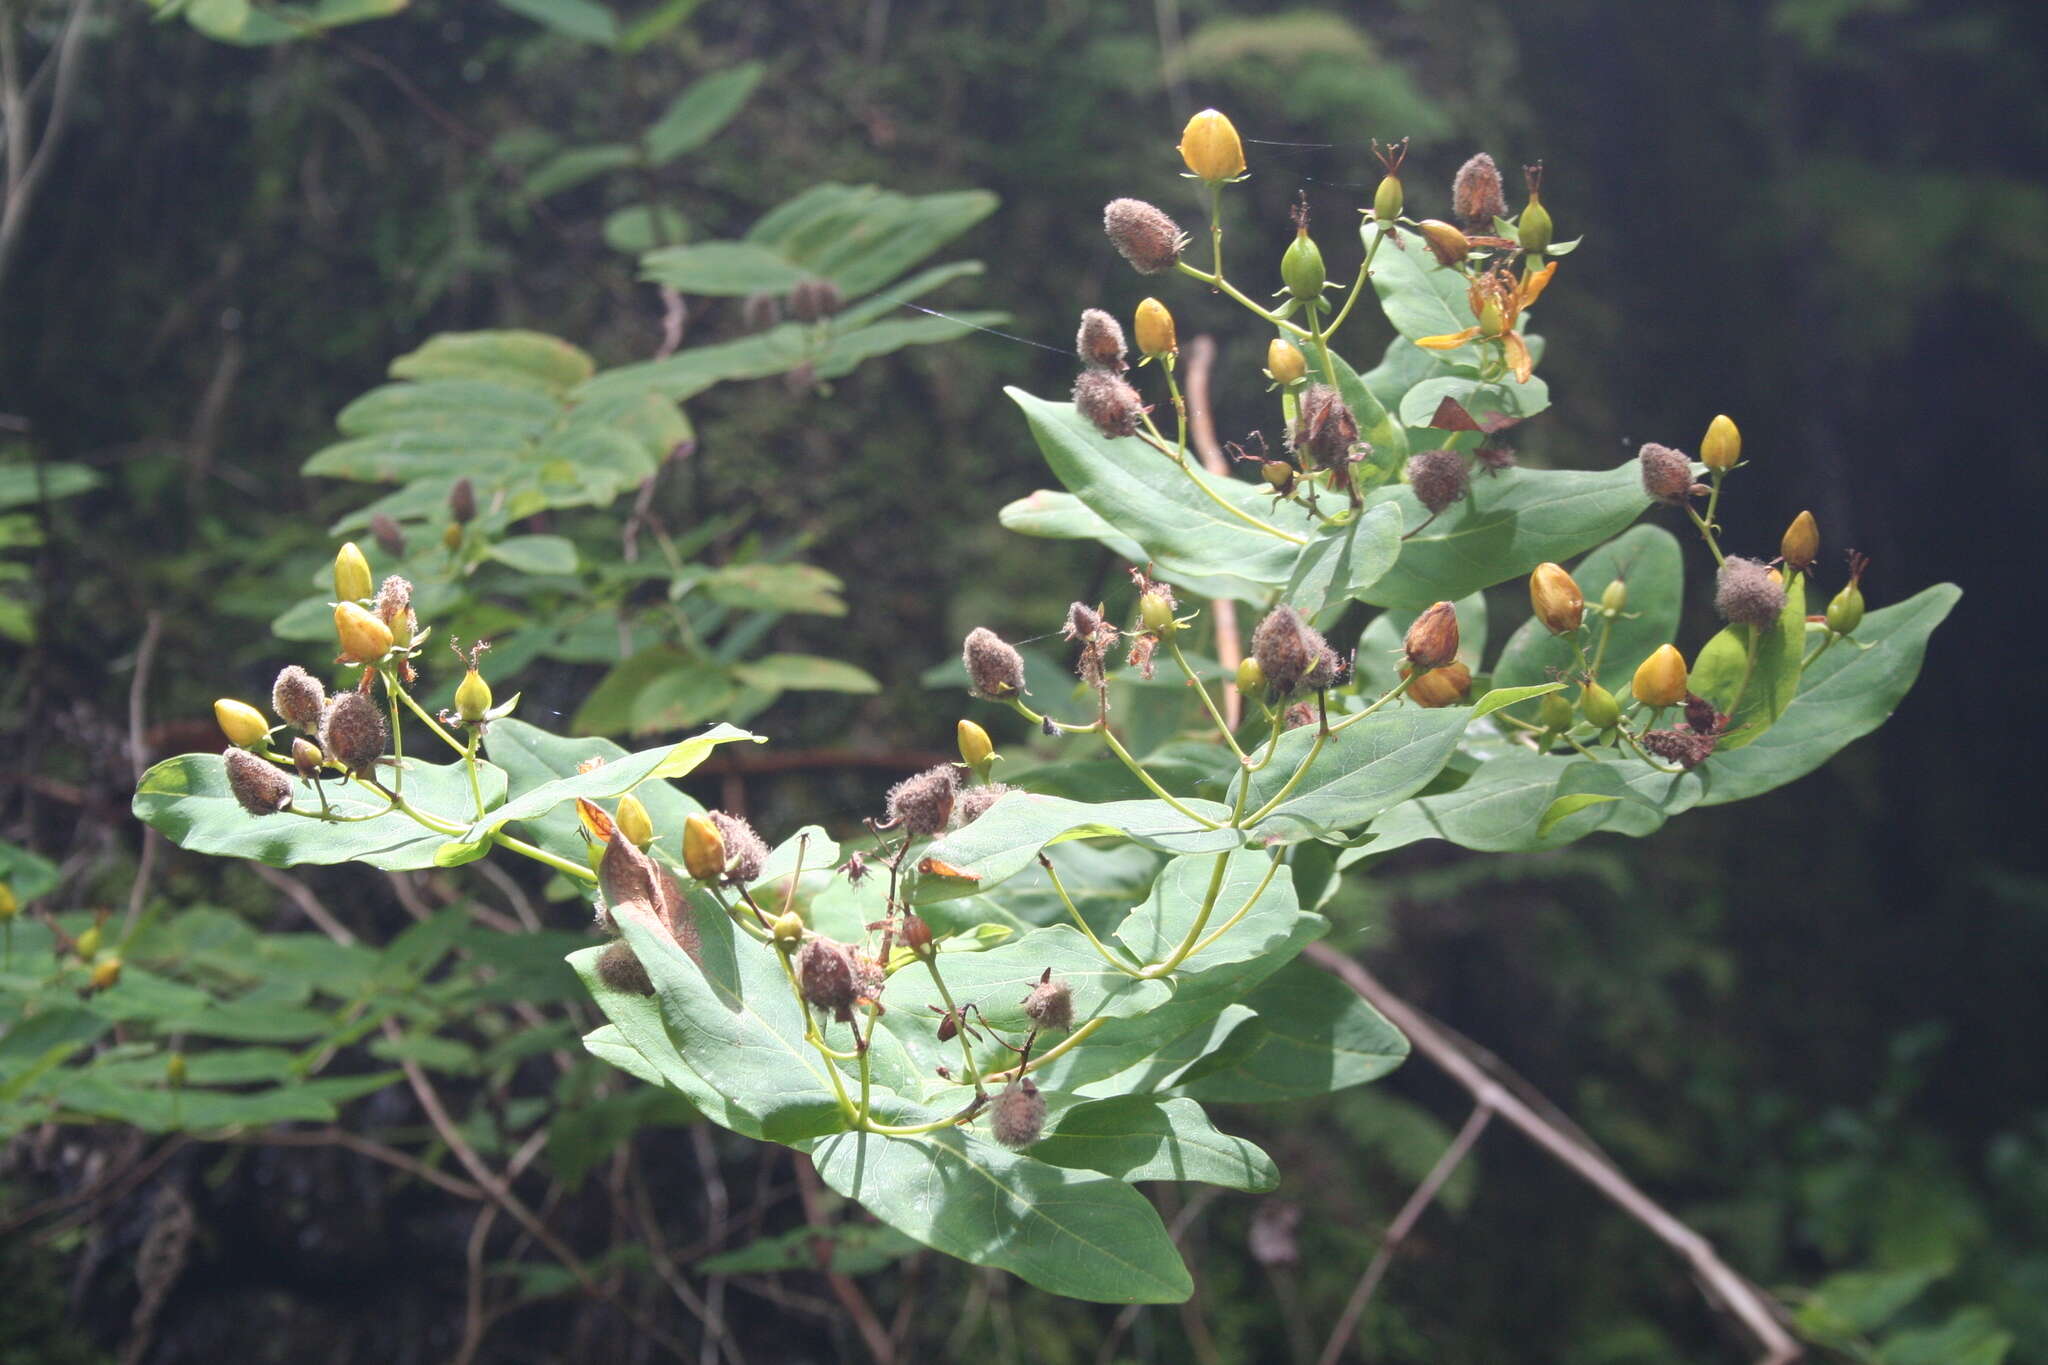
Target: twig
[
  {"x": 355, "y": 1142},
  {"x": 24, "y": 178},
  {"x": 1404, "y": 1222},
  {"x": 1201, "y": 360},
  {"x": 1174, "y": 1231},
  {"x": 309, "y": 904},
  {"x": 843, "y": 1288},
  {"x": 138, "y": 691},
  {"x": 1722, "y": 1285}
]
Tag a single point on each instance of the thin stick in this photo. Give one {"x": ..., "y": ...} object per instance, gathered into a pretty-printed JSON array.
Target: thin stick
[
  {"x": 138, "y": 691},
  {"x": 1722, "y": 1285},
  {"x": 1201, "y": 358},
  {"x": 843, "y": 1288},
  {"x": 1404, "y": 1222}
]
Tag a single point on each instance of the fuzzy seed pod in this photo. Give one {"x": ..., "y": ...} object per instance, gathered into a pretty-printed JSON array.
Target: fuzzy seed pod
[
  {"x": 1142, "y": 235},
  {"x": 620, "y": 970},
  {"x": 1667, "y": 474},
  {"x": 1721, "y": 447},
  {"x": 1432, "y": 641},
  {"x": 1660, "y": 680},
  {"x": 1687, "y": 748},
  {"x": 1083, "y": 622},
  {"x": 1324, "y": 426},
  {"x": 1153, "y": 327},
  {"x": 813, "y": 300},
  {"x": 1326, "y": 671},
  {"x": 260, "y": 787},
  {"x": 298, "y": 698},
  {"x": 390, "y": 539},
  {"x": 1745, "y": 595},
  {"x": 1100, "y": 342},
  {"x": 1109, "y": 404},
  {"x": 1210, "y": 146},
  {"x": 1018, "y": 1115},
  {"x": 1437, "y": 478},
  {"x": 1284, "y": 361},
  {"x": 352, "y": 733},
  {"x": 1446, "y": 686},
  {"x": 1445, "y": 242},
  {"x": 924, "y": 803},
  {"x": 394, "y": 609},
  {"x": 1701, "y": 717},
  {"x": 971, "y": 804},
  {"x": 1555, "y": 595},
  {"x": 1286, "y": 649},
  {"x": 825, "y": 971},
  {"x": 306, "y": 759},
  {"x": 633, "y": 821},
  {"x": 995, "y": 670},
  {"x": 364, "y": 639},
  {"x": 759, "y": 312},
  {"x": 242, "y": 723},
  {"x": 1476, "y": 196},
  {"x": 1050, "y": 1004},
  {"x": 1800, "y": 545},
  {"x": 1599, "y": 707},
  {"x": 746, "y": 853},
  {"x": 462, "y": 502},
  {"x": 351, "y": 574}
]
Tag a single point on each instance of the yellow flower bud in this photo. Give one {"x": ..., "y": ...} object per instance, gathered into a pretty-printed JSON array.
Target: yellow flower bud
[
  {"x": 174, "y": 1070},
  {"x": 1444, "y": 686},
  {"x": 1555, "y": 595},
  {"x": 242, "y": 723},
  {"x": 88, "y": 944},
  {"x": 1801, "y": 543},
  {"x": 1251, "y": 679},
  {"x": 1660, "y": 680},
  {"x": 703, "y": 849},
  {"x": 1446, "y": 243},
  {"x": 1284, "y": 361},
  {"x": 9, "y": 905},
  {"x": 105, "y": 973},
  {"x": 1721, "y": 447},
  {"x": 1153, "y": 327},
  {"x": 351, "y": 574},
  {"x": 472, "y": 697},
  {"x": 1210, "y": 146},
  {"x": 451, "y": 538},
  {"x": 633, "y": 822},
  {"x": 364, "y": 639},
  {"x": 976, "y": 748},
  {"x": 789, "y": 930}
]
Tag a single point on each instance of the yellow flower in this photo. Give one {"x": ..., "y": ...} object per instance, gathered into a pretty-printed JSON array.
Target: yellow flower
[{"x": 1497, "y": 299}]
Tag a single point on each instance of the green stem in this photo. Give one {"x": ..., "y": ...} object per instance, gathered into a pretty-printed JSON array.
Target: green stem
[
  {"x": 431, "y": 723},
  {"x": 1180, "y": 409},
  {"x": 854, "y": 1118},
  {"x": 1357, "y": 287},
  {"x": 1138, "y": 771},
  {"x": 1208, "y": 702},
  {"x": 1187, "y": 943},
  {"x": 391, "y": 691},
  {"x": 1056, "y": 1051},
  {"x": 1159, "y": 444},
  {"x": 1814, "y": 657},
  {"x": 1400, "y": 689},
  {"x": 931, "y": 962},
  {"x": 1229, "y": 290},
  {"x": 1079, "y": 923},
  {"x": 1220, "y": 930},
  {"x": 1748, "y": 668},
  {"x": 1600, "y": 650},
  {"x": 469, "y": 762}
]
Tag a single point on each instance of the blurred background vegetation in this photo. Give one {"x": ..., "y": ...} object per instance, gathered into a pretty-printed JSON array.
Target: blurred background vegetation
[{"x": 1810, "y": 1023}]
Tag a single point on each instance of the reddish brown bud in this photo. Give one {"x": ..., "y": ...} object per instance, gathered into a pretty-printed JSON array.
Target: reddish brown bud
[
  {"x": 1745, "y": 594},
  {"x": 1476, "y": 195},
  {"x": 813, "y": 300},
  {"x": 620, "y": 970},
  {"x": 1050, "y": 1004},
  {"x": 1286, "y": 649},
  {"x": 923, "y": 804},
  {"x": 462, "y": 502},
  {"x": 1142, "y": 235},
  {"x": 1667, "y": 474},
  {"x": 916, "y": 934},
  {"x": 825, "y": 970},
  {"x": 1018, "y": 1115},
  {"x": 1324, "y": 426},
  {"x": 1446, "y": 686},
  {"x": 1100, "y": 342},
  {"x": 259, "y": 785},
  {"x": 389, "y": 538},
  {"x": 1111, "y": 406},
  {"x": 1555, "y": 596},
  {"x": 1437, "y": 478},
  {"x": 746, "y": 852},
  {"x": 1432, "y": 641},
  {"x": 352, "y": 733},
  {"x": 995, "y": 670}
]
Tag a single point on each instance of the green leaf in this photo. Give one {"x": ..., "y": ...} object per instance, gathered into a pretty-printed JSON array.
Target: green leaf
[
  {"x": 1363, "y": 769},
  {"x": 1314, "y": 1034},
  {"x": 1074, "y": 1233},
  {"x": 805, "y": 673},
  {"x": 584, "y": 20},
  {"x": 1858, "y": 1302},
  {"x": 1845, "y": 694},
  {"x": 1377, "y": 426},
  {"x": 531, "y": 360},
  {"x": 1480, "y": 398},
  {"x": 1649, "y": 560},
  {"x": 26, "y": 874},
  {"x": 1062, "y": 516},
  {"x": 1501, "y": 807},
  {"x": 722, "y": 269},
  {"x": 532, "y": 757},
  {"x": 1159, "y": 504},
  {"x": 615, "y": 778},
  {"x": 1420, "y": 297},
  {"x": 699, "y": 112},
  {"x": 1007, "y": 838},
  {"x": 1757, "y": 693},
  {"x": 1501, "y": 697},
  {"x": 24, "y": 485},
  {"x": 1555, "y": 813},
  {"x": 1343, "y": 561},
  {"x": 1511, "y": 521},
  {"x": 1137, "y": 1137},
  {"x": 536, "y": 554},
  {"x": 775, "y": 587},
  {"x": 1154, "y": 929},
  {"x": 186, "y": 799},
  {"x": 1970, "y": 1337},
  {"x": 846, "y": 1248},
  {"x": 640, "y": 228}
]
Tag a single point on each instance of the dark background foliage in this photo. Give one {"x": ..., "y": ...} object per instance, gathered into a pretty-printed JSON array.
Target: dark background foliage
[{"x": 1810, "y": 1022}]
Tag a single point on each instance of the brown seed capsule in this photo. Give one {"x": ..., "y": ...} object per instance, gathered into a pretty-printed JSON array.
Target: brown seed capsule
[
  {"x": 813, "y": 300},
  {"x": 1018, "y": 1115},
  {"x": 462, "y": 502},
  {"x": 1437, "y": 478},
  {"x": 620, "y": 970},
  {"x": 352, "y": 733},
  {"x": 389, "y": 538},
  {"x": 1745, "y": 595},
  {"x": 1142, "y": 235},
  {"x": 916, "y": 934},
  {"x": 825, "y": 971},
  {"x": 1050, "y": 1004},
  {"x": 924, "y": 803},
  {"x": 1109, "y": 404},
  {"x": 1660, "y": 680},
  {"x": 995, "y": 670},
  {"x": 1100, "y": 342},
  {"x": 1801, "y": 543},
  {"x": 1324, "y": 672},
  {"x": 1555, "y": 595},
  {"x": 260, "y": 786},
  {"x": 1446, "y": 686},
  {"x": 1432, "y": 641},
  {"x": 1476, "y": 195},
  {"x": 1286, "y": 648},
  {"x": 306, "y": 759},
  {"x": 1687, "y": 748},
  {"x": 1445, "y": 242},
  {"x": 298, "y": 698},
  {"x": 746, "y": 853},
  {"x": 972, "y": 804},
  {"x": 1667, "y": 474},
  {"x": 1324, "y": 426}
]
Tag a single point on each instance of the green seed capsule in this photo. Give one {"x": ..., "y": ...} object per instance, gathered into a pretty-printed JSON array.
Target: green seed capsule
[
  {"x": 1555, "y": 712},
  {"x": 1302, "y": 268},
  {"x": 1534, "y": 228},
  {"x": 1599, "y": 707},
  {"x": 1845, "y": 613},
  {"x": 1387, "y": 200}
]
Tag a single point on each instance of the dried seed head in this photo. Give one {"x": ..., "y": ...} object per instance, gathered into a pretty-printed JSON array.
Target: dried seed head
[
  {"x": 352, "y": 733},
  {"x": 924, "y": 803},
  {"x": 1018, "y": 1115},
  {"x": 1050, "y": 1005},
  {"x": 260, "y": 786},
  {"x": 394, "y": 609},
  {"x": 1660, "y": 680},
  {"x": 972, "y": 804},
  {"x": 306, "y": 759},
  {"x": 1445, "y": 242},
  {"x": 825, "y": 970},
  {"x": 995, "y": 670},
  {"x": 298, "y": 698},
  {"x": 1667, "y": 474},
  {"x": 1286, "y": 649},
  {"x": 390, "y": 539},
  {"x": 916, "y": 933},
  {"x": 746, "y": 852},
  {"x": 620, "y": 970},
  {"x": 813, "y": 300},
  {"x": 1326, "y": 671},
  {"x": 1556, "y": 598},
  {"x": 1446, "y": 686},
  {"x": 1109, "y": 404},
  {"x": 1701, "y": 717},
  {"x": 1437, "y": 478},
  {"x": 1142, "y": 235},
  {"x": 1432, "y": 641},
  {"x": 1324, "y": 426},
  {"x": 1476, "y": 195},
  {"x": 1686, "y": 748},
  {"x": 462, "y": 502},
  {"x": 1083, "y": 622},
  {"x": 1745, "y": 594},
  {"x": 759, "y": 312},
  {"x": 242, "y": 723},
  {"x": 1100, "y": 342}
]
